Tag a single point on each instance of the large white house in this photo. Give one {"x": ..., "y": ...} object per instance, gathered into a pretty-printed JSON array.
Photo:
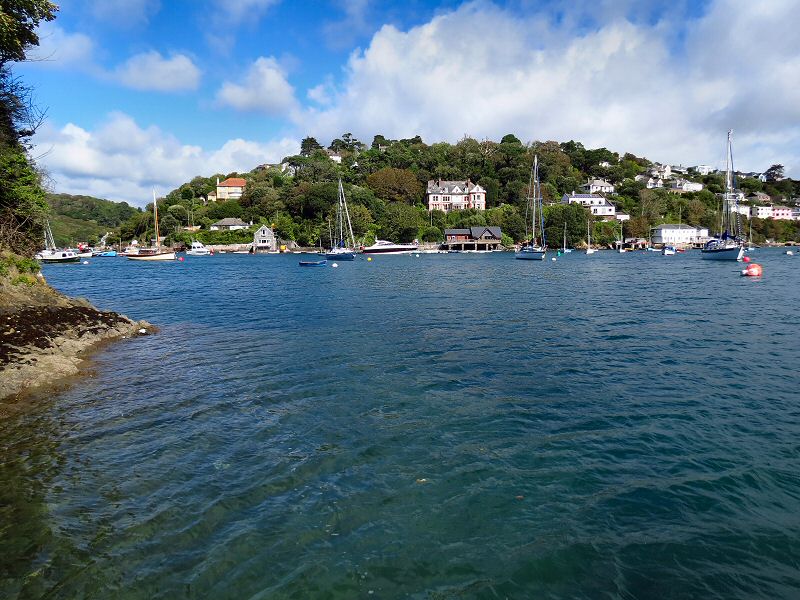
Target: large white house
[
  {"x": 597, "y": 186},
  {"x": 228, "y": 224},
  {"x": 761, "y": 212},
  {"x": 678, "y": 235},
  {"x": 264, "y": 240},
  {"x": 682, "y": 185},
  {"x": 702, "y": 169},
  {"x": 455, "y": 195},
  {"x": 596, "y": 205}
]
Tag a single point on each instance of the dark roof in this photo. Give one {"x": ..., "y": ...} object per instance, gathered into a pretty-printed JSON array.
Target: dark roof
[
  {"x": 228, "y": 221},
  {"x": 478, "y": 231},
  {"x": 456, "y": 231}
]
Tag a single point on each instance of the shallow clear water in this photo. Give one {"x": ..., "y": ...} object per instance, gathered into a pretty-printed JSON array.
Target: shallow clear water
[{"x": 448, "y": 426}]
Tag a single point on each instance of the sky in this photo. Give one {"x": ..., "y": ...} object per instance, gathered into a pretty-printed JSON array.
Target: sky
[{"x": 143, "y": 94}]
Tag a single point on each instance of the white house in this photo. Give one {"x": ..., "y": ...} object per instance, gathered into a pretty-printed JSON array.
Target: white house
[
  {"x": 742, "y": 209},
  {"x": 661, "y": 171},
  {"x": 702, "y": 169},
  {"x": 596, "y": 205},
  {"x": 264, "y": 240},
  {"x": 455, "y": 195},
  {"x": 655, "y": 182},
  {"x": 595, "y": 186},
  {"x": 761, "y": 212},
  {"x": 682, "y": 185},
  {"x": 228, "y": 224},
  {"x": 678, "y": 235}
]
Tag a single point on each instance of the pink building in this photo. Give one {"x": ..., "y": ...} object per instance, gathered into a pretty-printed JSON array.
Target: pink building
[{"x": 782, "y": 213}]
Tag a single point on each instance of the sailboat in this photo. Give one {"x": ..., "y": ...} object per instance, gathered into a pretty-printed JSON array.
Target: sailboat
[
  {"x": 589, "y": 249},
  {"x": 729, "y": 245},
  {"x": 155, "y": 253},
  {"x": 51, "y": 254},
  {"x": 345, "y": 243},
  {"x": 534, "y": 251},
  {"x": 564, "y": 249},
  {"x": 621, "y": 246}
]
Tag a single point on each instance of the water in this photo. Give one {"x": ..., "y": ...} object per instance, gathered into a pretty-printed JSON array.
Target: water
[{"x": 449, "y": 426}]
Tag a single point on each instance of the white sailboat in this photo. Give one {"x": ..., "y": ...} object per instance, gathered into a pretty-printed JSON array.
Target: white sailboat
[
  {"x": 728, "y": 246},
  {"x": 589, "y": 249},
  {"x": 564, "y": 249},
  {"x": 344, "y": 247},
  {"x": 534, "y": 251},
  {"x": 155, "y": 253},
  {"x": 621, "y": 245},
  {"x": 51, "y": 254}
]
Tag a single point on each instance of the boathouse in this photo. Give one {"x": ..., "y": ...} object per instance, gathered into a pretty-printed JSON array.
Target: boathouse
[
  {"x": 264, "y": 240},
  {"x": 472, "y": 239}
]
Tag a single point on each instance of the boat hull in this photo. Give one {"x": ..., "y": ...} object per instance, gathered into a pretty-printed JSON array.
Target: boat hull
[
  {"x": 733, "y": 253},
  {"x": 340, "y": 255},
  {"x": 53, "y": 260},
  {"x": 160, "y": 256},
  {"x": 531, "y": 254},
  {"x": 389, "y": 250},
  {"x": 313, "y": 263}
]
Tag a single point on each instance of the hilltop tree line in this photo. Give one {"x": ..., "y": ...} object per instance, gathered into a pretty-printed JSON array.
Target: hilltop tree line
[{"x": 385, "y": 186}]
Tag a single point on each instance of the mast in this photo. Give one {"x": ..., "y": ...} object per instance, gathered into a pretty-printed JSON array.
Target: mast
[
  {"x": 155, "y": 216},
  {"x": 565, "y": 235}
]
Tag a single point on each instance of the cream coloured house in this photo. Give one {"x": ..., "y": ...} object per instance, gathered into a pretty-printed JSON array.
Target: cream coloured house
[
  {"x": 455, "y": 195},
  {"x": 230, "y": 189}
]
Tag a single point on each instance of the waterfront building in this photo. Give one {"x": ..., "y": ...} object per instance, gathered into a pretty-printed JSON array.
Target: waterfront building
[
  {"x": 782, "y": 213},
  {"x": 228, "y": 224},
  {"x": 597, "y": 186},
  {"x": 264, "y": 240},
  {"x": 596, "y": 205},
  {"x": 455, "y": 195},
  {"x": 479, "y": 239},
  {"x": 678, "y": 235}
]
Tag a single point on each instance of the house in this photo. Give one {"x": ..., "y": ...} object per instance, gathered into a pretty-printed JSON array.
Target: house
[
  {"x": 604, "y": 164},
  {"x": 761, "y": 212},
  {"x": 654, "y": 182},
  {"x": 742, "y": 209},
  {"x": 596, "y": 205},
  {"x": 230, "y": 189},
  {"x": 702, "y": 169},
  {"x": 661, "y": 171},
  {"x": 678, "y": 235},
  {"x": 228, "y": 224},
  {"x": 264, "y": 240},
  {"x": 782, "y": 213},
  {"x": 759, "y": 197},
  {"x": 682, "y": 185},
  {"x": 334, "y": 156},
  {"x": 595, "y": 186},
  {"x": 455, "y": 195},
  {"x": 477, "y": 239}
]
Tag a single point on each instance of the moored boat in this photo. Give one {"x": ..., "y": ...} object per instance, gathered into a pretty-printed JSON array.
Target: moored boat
[
  {"x": 198, "y": 249},
  {"x": 52, "y": 254},
  {"x": 534, "y": 250},
  {"x": 343, "y": 247},
  {"x": 729, "y": 245},
  {"x": 314, "y": 263},
  {"x": 385, "y": 247},
  {"x": 155, "y": 253}
]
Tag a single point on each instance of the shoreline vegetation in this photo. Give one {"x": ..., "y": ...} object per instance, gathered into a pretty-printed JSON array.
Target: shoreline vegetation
[{"x": 45, "y": 336}]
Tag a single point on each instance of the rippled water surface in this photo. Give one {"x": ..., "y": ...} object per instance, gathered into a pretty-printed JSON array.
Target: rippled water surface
[{"x": 448, "y": 426}]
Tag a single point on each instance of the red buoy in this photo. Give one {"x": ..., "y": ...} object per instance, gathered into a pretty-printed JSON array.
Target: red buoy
[
  {"x": 752, "y": 270},
  {"x": 746, "y": 259}
]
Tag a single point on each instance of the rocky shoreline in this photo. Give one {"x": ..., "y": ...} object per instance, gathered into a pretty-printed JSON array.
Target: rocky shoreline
[{"x": 45, "y": 336}]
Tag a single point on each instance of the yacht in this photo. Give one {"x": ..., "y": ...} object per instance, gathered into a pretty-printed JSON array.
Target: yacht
[
  {"x": 384, "y": 247},
  {"x": 198, "y": 249}
]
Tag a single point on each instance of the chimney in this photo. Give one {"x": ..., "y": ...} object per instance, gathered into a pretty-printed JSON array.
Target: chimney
[{"x": 217, "y": 180}]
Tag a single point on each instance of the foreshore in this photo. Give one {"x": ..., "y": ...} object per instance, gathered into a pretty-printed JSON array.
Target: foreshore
[{"x": 45, "y": 336}]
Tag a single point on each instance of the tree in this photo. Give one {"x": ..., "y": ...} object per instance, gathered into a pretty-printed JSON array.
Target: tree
[
  {"x": 774, "y": 173},
  {"x": 18, "y": 22},
  {"x": 396, "y": 185},
  {"x": 308, "y": 146}
]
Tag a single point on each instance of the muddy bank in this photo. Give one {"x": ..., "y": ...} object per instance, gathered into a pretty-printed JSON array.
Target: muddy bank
[{"x": 45, "y": 336}]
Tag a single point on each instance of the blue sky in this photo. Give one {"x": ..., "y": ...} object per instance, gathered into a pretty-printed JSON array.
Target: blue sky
[{"x": 143, "y": 93}]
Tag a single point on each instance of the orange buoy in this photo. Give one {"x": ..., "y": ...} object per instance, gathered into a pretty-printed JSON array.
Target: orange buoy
[{"x": 752, "y": 270}]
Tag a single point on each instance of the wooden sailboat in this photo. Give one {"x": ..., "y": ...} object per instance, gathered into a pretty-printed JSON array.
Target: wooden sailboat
[
  {"x": 155, "y": 253},
  {"x": 534, "y": 251}
]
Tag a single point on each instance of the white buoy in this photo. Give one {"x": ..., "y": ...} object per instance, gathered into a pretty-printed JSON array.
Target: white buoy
[
  {"x": 417, "y": 255},
  {"x": 335, "y": 265},
  {"x": 86, "y": 262},
  {"x": 789, "y": 253},
  {"x": 553, "y": 259}
]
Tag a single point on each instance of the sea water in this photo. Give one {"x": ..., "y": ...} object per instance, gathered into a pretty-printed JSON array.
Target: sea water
[{"x": 440, "y": 426}]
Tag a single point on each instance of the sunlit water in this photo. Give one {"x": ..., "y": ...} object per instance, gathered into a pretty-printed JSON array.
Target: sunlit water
[{"x": 448, "y": 426}]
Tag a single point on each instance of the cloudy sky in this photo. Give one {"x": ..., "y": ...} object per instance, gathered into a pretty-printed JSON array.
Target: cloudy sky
[{"x": 143, "y": 93}]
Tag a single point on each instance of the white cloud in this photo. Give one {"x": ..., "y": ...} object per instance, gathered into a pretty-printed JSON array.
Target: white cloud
[
  {"x": 264, "y": 89},
  {"x": 151, "y": 71},
  {"x": 57, "y": 48},
  {"x": 238, "y": 11},
  {"x": 628, "y": 86},
  {"x": 122, "y": 161},
  {"x": 123, "y": 13}
]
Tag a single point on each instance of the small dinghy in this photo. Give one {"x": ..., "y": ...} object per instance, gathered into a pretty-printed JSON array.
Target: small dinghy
[{"x": 313, "y": 263}]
